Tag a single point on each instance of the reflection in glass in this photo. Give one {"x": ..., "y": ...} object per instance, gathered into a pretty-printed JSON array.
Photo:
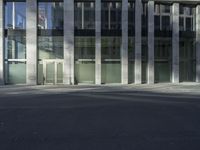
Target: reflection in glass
[
  {"x": 111, "y": 59},
  {"x": 50, "y": 47},
  {"x": 111, "y": 15},
  {"x": 131, "y": 58},
  {"x": 15, "y": 72},
  {"x": 84, "y": 15},
  {"x": 50, "y": 15},
  {"x": 15, "y": 16},
  {"x": 187, "y": 18},
  {"x": 85, "y": 60},
  {"x": 163, "y": 49},
  {"x": 187, "y": 59},
  {"x": 163, "y": 17},
  {"x": 15, "y": 46},
  {"x": 144, "y": 42},
  {"x": 131, "y": 16}
]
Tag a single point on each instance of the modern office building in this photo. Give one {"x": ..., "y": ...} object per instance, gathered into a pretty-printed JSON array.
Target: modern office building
[{"x": 99, "y": 41}]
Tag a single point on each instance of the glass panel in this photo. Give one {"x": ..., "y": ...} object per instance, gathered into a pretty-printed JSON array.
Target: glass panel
[
  {"x": 15, "y": 46},
  {"x": 15, "y": 18},
  {"x": 187, "y": 59},
  {"x": 144, "y": 42},
  {"x": 50, "y": 72},
  {"x": 50, "y": 15},
  {"x": 163, "y": 48},
  {"x": 89, "y": 15},
  {"x": 78, "y": 15},
  {"x": 144, "y": 59},
  {"x": 111, "y": 15},
  {"x": 131, "y": 16},
  {"x": 166, "y": 23},
  {"x": 181, "y": 23},
  {"x": 157, "y": 22},
  {"x": 111, "y": 62},
  {"x": 40, "y": 74},
  {"x": 189, "y": 24},
  {"x": 85, "y": 60},
  {"x": 84, "y": 15},
  {"x": 85, "y": 72},
  {"x": 50, "y": 47},
  {"x": 131, "y": 56},
  {"x": 59, "y": 72},
  {"x": 15, "y": 72},
  {"x": 165, "y": 9}
]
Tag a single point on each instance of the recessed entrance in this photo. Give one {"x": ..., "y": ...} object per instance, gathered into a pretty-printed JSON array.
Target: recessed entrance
[{"x": 53, "y": 71}]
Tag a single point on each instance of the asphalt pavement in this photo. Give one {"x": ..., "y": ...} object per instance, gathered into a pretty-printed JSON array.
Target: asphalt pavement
[{"x": 156, "y": 117}]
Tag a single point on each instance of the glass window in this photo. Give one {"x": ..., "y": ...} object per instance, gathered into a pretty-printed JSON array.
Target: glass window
[
  {"x": 50, "y": 15},
  {"x": 84, "y": 15},
  {"x": 187, "y": 18},
  {"x": 15, "y": 16},
  {"x": 111, "y": 15},
  {"x": 163, "y": 48},
  {"x": 131, "y": 16},
  {"x": 50, "y": 47},
  {"x": 163, "y": 17},
  {"x": 15, "y": 46},
  {"x": 85, "y": 60},
  {"x": 15, "y": 72},
  {"x": 111, "y": 62}
]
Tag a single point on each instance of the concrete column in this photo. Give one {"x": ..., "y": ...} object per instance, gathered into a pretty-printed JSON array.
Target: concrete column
[
  {"x": 138, "y": 42},
  {"x": 31, "y": 41},
  {"x": 124, "y": 46},
  {"x": 175, "y": 43},
  {"x": 198, "y": 43},
  {"x": 98, "y": 42},
  {"x": 68, "y": 42},
  {"x": 1, "y": 43},
  {"x": 150, "y": 65}
]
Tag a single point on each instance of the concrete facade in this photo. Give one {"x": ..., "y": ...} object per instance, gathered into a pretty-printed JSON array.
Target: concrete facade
[
  {"x": 175, "y": 43},
  {"x": 150, "y": 66},
  {"x": 1, "y": 43},
  {"x": 98, "y": 42},
  {"x": 124, "y": 47},
  {"x": 69, "y": 41},
  {"x": 138, "y": 42},
  {"x": 198, "y": 43},
  {"x": 31, "y": 40}
]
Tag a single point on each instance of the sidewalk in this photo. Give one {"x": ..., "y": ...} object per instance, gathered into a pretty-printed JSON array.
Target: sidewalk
[{"x": 190, "y": 89}]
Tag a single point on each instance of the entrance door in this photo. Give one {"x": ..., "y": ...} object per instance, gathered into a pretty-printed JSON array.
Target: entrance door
[{"x": 53, "y": 71}]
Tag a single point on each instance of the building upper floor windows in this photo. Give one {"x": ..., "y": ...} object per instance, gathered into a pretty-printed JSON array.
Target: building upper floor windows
[
  {"x": 50, "y": 15},
  {"x": 111, "y": 15},
  {"x": 163, "y": 17},
  {"x": 15, "y": 18},
  {"x": 187, "y": 15},
  {"x": 84, "y": 15},
  {"x": 131, "y": 16}
]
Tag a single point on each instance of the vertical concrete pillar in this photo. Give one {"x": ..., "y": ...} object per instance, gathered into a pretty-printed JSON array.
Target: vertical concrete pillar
[
  {"x": 150, "y": 65},
  {"x": 198, "y": 43},
  {"x": 1, "y": 43},
  {"x": 138, "y": 42},
  {"x": 175, "y": 43},
  {"x": 68, "y": 42},
  {"x": 124, "y": 46},
  {"x": 31, "y": 42},
  {"x": 98, "y": 42}
]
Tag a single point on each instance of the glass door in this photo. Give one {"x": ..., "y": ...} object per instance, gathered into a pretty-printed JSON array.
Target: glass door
[{"x": 53, "y": 72}]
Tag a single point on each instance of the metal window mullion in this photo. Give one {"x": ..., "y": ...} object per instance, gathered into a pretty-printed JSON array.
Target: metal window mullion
[{"x": 82, "y": 15}]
